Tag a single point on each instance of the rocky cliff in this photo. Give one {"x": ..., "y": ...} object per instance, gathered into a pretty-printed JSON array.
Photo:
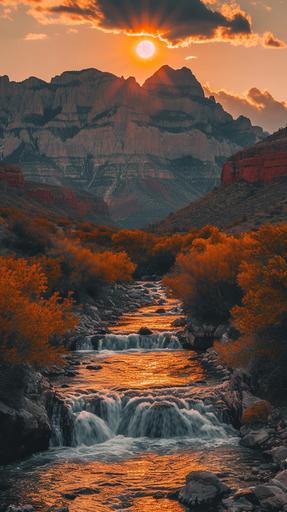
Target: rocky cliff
[
  {"x": 144, "y": 150},
  {"x": 263, "y": 162}
]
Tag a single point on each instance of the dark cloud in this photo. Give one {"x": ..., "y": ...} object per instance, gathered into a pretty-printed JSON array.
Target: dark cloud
[
  {"x": 260, "y": 106},
  {"x": 176, "y": 21}
]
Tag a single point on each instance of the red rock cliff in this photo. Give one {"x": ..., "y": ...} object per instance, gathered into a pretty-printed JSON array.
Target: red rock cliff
[{"x": 260, "y": 163}]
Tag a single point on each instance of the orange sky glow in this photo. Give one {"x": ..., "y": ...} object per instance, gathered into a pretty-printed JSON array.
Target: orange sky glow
[{"x": 231, "y": 46}]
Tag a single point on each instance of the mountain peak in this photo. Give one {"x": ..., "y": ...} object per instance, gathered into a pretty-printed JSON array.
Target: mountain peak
[{"x": 182, "y": 78}]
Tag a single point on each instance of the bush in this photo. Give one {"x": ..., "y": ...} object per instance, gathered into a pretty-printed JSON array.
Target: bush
[
  {"x": 84, "y": 270},
  {"x": 30, "y": 323},
  {"x": 205, "y": 277}
]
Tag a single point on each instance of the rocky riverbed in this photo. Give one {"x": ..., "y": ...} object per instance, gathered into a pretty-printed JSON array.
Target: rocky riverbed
[{"x": 137, "y": 420}]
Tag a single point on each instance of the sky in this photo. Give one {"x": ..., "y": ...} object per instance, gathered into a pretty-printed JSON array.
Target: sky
[{"x": 237, "y": 48}]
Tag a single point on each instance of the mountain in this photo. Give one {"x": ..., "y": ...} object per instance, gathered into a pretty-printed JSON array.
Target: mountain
[
  {"x": 146, "y": 150},
  {"x": 253, "y": 191}
]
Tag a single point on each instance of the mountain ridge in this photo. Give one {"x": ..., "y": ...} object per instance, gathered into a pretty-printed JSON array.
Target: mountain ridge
[{"x": 145, "y": 150}]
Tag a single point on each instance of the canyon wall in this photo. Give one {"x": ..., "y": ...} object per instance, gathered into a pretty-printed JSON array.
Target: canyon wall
[
  {"x": 145, "y": 150},
  {"x": 263, "y": 162}
]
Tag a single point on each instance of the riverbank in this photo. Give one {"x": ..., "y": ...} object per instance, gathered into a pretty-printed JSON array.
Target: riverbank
[
  {"x": 129, "y": 420},
  {"x": 25, "y": 394}
]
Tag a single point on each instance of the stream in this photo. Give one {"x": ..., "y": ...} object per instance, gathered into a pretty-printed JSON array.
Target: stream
[{"x": 133, "y": 420}]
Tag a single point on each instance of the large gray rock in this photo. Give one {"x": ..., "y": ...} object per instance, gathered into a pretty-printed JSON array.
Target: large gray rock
[
  {"x": 255, "y": 438},
  {"x": 24, "y": 424},
  {"x": 281, "y": 480},
  {"x": 271, "y": 498},
  {"x": 279, "y": 454},
  {"x": 202, "y": 488}
]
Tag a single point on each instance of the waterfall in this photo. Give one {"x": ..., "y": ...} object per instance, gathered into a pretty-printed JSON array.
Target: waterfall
[
  {"x": 118, "y": 342},
  {"x": 90, "y": 429},
  {"x": 98, "y": 417}
]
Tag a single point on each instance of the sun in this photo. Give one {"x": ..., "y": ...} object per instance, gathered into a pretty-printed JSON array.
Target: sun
[{"x": 145, "y": 49}]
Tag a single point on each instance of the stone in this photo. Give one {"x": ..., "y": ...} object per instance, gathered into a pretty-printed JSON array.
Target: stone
[
  {"x": 279, "y": 454},
  {"x": 22, "y": 508},
  {"x": 202, "y": 488},
  {"x": 271, "y": 498},
  {"x": 238, "y": 505},
  {"x": 255, "y": 438},
  {"x": 25, "y": 429},
  {"x": 179, "y": 322},
  {"x": 144, "y": 331},
  {"x": 281, "y": 480}
]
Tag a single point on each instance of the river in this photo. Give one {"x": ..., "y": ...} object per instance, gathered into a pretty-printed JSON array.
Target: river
[{"x": 130, "y": 424}]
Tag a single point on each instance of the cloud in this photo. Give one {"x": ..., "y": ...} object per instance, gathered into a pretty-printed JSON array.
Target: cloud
[
  {"x": 191, "y": 57},
  {"x": 175, "y": 22},
  {"x": 32, "y": 36},
  {"x": 270, "y": 41},
  {"x": 260, "y": 106}
]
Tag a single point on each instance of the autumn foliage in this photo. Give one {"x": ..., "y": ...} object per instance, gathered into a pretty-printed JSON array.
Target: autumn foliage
[
  {"x": 30, "y": 322},
  {"x": 241, "y": 279}
]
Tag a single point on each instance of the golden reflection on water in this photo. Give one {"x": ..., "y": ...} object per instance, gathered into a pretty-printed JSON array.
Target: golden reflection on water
[
  {"x": 137, "y": 370},
  {"x": 148, "y": 316},
  {"x": 131, "y": 484}
]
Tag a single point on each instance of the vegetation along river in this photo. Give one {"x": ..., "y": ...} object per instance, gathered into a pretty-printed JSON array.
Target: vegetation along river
[{"x": 136, "y": 418}]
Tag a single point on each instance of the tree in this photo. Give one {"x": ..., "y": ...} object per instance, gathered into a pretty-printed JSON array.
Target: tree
[{"x": 205, "y": 277}]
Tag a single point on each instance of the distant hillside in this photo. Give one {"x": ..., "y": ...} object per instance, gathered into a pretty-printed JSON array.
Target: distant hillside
[
  {"x": 237, "y": 207},
  {"x": 145, "y": 150},
  {"x": 48, "y": 200},
  {"x": 253, "y": 191}
]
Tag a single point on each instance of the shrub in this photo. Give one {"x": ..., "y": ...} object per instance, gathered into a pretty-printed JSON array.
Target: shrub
[
  {"x": 30, "y": 324},
  {"x": 205, "y": 277}
]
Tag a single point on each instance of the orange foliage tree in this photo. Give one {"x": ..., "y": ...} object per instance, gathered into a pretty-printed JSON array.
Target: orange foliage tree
[
  {"x": 205, "y": 277},
  {"x": 30, "y": 323},
  {"x": 86, "y": 265}
]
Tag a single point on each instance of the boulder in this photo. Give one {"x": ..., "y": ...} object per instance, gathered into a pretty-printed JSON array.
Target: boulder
[
  {"x": 255, "y": 438},
  {"x": 144, "y": 331},
  {"x": 202, "y": 488},
  {"x": 281, "y": 480},
  {"x": 179, "y": 322},
  {"x": 271, "y": 498},
  {"x": 279, "y": 454},
  {"x": 199, "y": 337},
  {"x": 243, "y": 500},
  {"x": 238, "y": 505},
  {"x": 25, "y": 427}
]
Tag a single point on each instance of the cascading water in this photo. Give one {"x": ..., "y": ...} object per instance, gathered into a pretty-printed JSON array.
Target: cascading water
[
  {"x": 117, "y": 342},
  {"x": 97, "y": 417}
]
